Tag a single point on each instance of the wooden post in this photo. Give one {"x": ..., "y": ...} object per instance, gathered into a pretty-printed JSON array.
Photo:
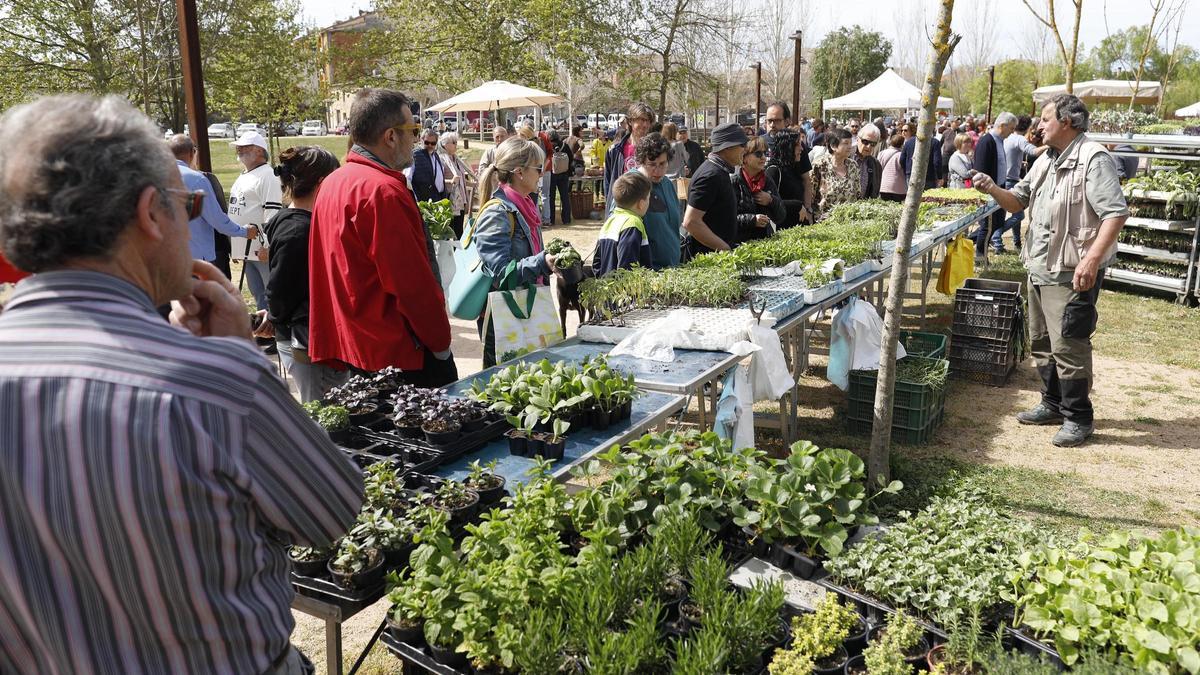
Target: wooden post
[
  {"x": 193, "y": 80},
  {"x": 991, "y": 85},
  {"x": 757, "y": 96},
  {"x": 798, "y": 37},
  {"x": 878, "y": 466}
]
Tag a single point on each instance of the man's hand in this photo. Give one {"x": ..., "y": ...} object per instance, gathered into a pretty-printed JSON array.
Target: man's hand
[
  {"x": 263, "y": 253},
  {"x": 982, "y": 182},
  {"x": 265, "y": 328},
  {"x": 762, "y": 198},
  {"x": 1085, "y": 275},
  {"x": 252, "y": 232},
  {"x": 214, "y": 308},
  {"x": 761, "y": 221},
  {"x": 805, "y": 215}
]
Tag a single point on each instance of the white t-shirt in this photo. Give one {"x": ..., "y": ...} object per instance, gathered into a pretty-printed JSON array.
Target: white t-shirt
[{"x": 255, "y": 197}]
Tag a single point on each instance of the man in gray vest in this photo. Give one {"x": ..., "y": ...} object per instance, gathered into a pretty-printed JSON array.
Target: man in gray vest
[{"x": 1073, "y": 197}]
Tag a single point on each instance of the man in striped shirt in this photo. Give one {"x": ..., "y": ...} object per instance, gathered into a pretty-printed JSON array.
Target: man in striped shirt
[{"x": 146, "y": 496}]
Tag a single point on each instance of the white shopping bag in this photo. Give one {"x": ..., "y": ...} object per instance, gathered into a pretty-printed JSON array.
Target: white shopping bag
[
  {"x": 857, "y": 341},
  {"x": 524, "y": 320},
  {"x": 445, "y": 260}
]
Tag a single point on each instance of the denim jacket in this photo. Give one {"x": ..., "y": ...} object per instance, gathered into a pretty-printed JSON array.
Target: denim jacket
[{"x": 496, "y": 248}]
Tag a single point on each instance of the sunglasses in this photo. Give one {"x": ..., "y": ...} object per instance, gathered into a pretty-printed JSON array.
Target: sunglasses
[
  {"x": 869, "y": 144},
  {"x": 413, "y": 128},
  {"x": 194, "y": 203},
  {"x": 430, "y": 144}
]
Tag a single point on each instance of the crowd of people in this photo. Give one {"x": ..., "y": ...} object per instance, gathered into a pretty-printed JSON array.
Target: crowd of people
[{"x": 154, "y": 471}]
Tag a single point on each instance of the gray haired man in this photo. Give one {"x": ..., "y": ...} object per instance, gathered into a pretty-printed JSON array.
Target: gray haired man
[
  {"x": 147, "y": 499},
  {"x": 1076, "y": 210}
]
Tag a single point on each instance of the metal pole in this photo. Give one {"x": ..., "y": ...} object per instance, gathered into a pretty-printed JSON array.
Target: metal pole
[
  {"x": 193, "y": 80},
  {"x": 718, "y": 112},
  {"x": 757, "y": 96},
  {"x": 991, "y": 84},
  {"x": 798, "y": 36}
]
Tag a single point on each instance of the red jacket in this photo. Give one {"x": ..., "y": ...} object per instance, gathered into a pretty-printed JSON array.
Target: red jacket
[{"x": 373, "y": 298}]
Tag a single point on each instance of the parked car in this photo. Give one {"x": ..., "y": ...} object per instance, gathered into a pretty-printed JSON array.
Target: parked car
[
  {"x": 221, "y": 130},
  {"x": 581, "y": 121},
  {"x": 288, "y": 129},
  {"x": 614, "y": 120},
  {"x": 250, "y": 126},
  {"x": 597, "y": 120},
  {"x": 343, "y": 129},
  {"x": 314, "y": 128}
]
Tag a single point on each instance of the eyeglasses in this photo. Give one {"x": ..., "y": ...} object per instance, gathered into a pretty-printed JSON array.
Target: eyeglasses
[
  {"x": 194, "y": 203},
  {"x": 539, "y": 169},
  {"x": 413, "y": 128}
]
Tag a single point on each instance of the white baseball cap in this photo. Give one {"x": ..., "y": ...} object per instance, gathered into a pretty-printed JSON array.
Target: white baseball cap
[{"x": 251, "y": 138}]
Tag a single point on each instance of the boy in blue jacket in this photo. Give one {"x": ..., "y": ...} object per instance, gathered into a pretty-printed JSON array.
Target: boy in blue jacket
[{"x": 623, "y": 242}]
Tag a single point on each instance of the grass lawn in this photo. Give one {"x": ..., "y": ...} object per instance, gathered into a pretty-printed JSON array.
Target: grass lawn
[{"x": 227, "y": 169}]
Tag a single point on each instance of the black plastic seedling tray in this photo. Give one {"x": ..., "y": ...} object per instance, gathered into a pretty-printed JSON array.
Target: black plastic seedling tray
[
  {"x": 325, "y": 590},
  {"x": 419, "y": 451}
]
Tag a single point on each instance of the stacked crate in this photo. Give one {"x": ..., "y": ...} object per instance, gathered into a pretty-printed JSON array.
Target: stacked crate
[
  {"x": 987, "y": 331},
  {"x": 917, "y": 409}
]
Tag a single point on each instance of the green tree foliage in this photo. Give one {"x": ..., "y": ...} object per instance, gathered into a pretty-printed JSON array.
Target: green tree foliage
[
  {"x": 1012, "y": 90},
  {"x": 847, "y": 59}
]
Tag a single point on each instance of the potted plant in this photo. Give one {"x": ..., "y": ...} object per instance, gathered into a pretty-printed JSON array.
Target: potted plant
[
  {"x": 484, "y": 480},
  {"x": 404, "y": 620},
  {"x": 818, "y": 639},
  {"x": 554, "y": 446},
  {"x": 570, "y": 265},
  {"x": 387, "y": 532},
  {"x": 355, "y": 566},
  {"x": 309, "y": 561},
  {"x": 518, "y": 439},
  {"x": 455, "y": 499},
  {"x": 336, "y": 420},
  {"x": 441, "y": 431},
  {"x": 965, "y": 653},
  {"x": 470, "y": 414},
  {"x": 893, "y": 649}
]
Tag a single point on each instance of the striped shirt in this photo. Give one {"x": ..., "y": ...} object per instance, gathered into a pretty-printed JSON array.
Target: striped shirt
[{"x": 146, "y": 497}]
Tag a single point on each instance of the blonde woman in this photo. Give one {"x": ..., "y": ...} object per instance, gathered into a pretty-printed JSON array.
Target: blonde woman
[
  {"x": 677, "y": 164},
  {"x": 507, "y": 227}
]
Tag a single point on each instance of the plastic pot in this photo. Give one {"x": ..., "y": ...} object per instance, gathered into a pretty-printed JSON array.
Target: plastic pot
[
  {"x": 339, "y": 436},
  {"x": 448, "y": 657},
  {"x": 463, "y": 513},
  {"x": 474, "y": 424},
  {"x": 626, "y": 410},
  {"x": 787, "y": 558},
  {"x": 600, "y": 418},
  {"x": 832, "y": 665},
  {"x": 518, "y": 443},
  {"x": 309, "y": 568},
  {"x": 443, "y": 438},
  {"x": 411, "y": 635},
  {"x": 398, "y": 558},
  {"x": 857, "y": 640},
  {"x": 553, "y": 450},
  {"x": 916, "y": 657},
  {"x": 537, "y": 444},
  {"x": 408, "y": 428},
  {"x": 367, "y": 578},
  {"x": 573, "y": 274},
  {"x": 856, "y": 665},
  {"x": 490, "y": 495},
  {"x": 364, "y": 413}
]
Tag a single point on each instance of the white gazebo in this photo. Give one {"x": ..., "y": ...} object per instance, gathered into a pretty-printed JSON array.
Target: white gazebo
[
  {"x": 1104, "y": 91},
  {"x": 889, "y": 91},
  {"x": 1192, "y": 110},
  {"x": 498, "y": 95}
]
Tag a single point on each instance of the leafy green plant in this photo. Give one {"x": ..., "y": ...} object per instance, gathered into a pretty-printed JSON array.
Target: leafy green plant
[
  {"x": 311, "y": 553},
  {"x": 1134, "y": 601},
  {"x": 700, "y": 653},
  {"x": 353, "y": 557},
  {"x": 333, "y": 418},
  {"x": 811, "y": 499},
  {"x": 952, "y": 556},
  {"x": 380, "y": 529},
  {"x": 818, "y": 635},
  {"x": 965, "y": 651},
  {"x": 312, "y": 408},
  {"x": 437, "y": 216},
  {"x": 889, "y": 647}
]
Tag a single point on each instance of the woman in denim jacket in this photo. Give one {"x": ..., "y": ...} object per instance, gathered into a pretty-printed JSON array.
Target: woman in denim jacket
[{"x": 507, "y": 228}]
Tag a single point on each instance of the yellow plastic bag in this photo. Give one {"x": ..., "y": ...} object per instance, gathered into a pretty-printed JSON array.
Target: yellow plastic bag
[{"x": 958, "y": 266}]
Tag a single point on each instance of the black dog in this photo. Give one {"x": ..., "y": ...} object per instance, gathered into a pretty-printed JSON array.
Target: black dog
[{"x": 568, "y": 297}]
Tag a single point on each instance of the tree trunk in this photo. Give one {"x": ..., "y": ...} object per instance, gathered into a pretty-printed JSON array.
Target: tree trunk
[{"x": 878, "y": 468}]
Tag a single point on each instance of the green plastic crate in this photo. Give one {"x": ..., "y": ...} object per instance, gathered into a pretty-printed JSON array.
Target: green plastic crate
[
  {"x": 903, "y": 417},
  {"x": 929, "y": 345},
  {"x": 899, "y": 434},
  {"x": 907, "y": 395}
]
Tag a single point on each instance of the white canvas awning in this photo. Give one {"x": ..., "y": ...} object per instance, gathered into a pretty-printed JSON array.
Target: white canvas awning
[
  {"x": 497, "y": 95},
  {"x": 1104, "y": 91},
  {"x": 889, "y": 91},
  {"x": 1192, "y": 110}
]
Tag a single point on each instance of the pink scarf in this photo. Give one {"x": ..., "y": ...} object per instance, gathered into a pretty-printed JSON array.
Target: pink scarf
[{"x": 529, "y": 212}]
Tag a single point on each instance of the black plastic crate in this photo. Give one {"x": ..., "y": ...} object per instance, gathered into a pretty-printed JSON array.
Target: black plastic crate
[
  {"x": 983, "y": 361},
  {"x": 987, "y": 308}
]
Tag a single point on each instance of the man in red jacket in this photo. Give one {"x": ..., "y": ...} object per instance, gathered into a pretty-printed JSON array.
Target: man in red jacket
[{"x": 375, "y": 299}]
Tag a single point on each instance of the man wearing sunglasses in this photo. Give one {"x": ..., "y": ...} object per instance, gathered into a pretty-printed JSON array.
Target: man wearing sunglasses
[
  {"x": 870, "y": 171},
  {"x": 205, "y": 215},
  {"x": 425, "y": 175}
]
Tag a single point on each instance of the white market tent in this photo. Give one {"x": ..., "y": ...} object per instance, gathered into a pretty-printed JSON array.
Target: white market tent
[
  {"x": 1192, "y": 110},
  {"x": 889, "y": 91},
  {"x": 1104, "y": 91}
]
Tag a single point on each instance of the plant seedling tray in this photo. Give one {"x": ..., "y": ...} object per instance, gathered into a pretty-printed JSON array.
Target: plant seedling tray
[
  {"x": 325, "y": 590},
  {"x": 417, "y": 657},
  {"x": 424, "y": 455},
  {"x": 855, "y": 271}
]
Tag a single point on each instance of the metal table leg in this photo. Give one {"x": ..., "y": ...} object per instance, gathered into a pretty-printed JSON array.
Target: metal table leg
[{"x": 333, "y": 647}]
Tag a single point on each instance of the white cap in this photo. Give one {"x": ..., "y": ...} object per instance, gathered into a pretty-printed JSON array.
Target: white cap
[{"x": 251, "y": 138}]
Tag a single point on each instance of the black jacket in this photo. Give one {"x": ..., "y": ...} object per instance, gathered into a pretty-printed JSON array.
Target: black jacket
[
  {"x": 287, "y": 281},
  {"x": 874, "y": 173},
  {"x": 987, "y": 157},
  {"x": 424, "y": 177},
  {"x": 748, "y": 209},
  {"x": 695, "y": 156}
]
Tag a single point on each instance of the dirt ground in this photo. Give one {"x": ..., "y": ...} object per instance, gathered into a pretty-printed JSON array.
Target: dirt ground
[{"x": 1140, "y": 470}]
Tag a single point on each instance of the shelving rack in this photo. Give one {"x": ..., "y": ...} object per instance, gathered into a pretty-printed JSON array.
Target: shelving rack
[{"x": 1161, "y": 147}]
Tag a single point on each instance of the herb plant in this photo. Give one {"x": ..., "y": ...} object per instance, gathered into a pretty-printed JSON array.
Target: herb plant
[
  {"x": 333, "y": 418},
  {"x": 889, "y": 647},
  {"x": 437, "y": 216}
]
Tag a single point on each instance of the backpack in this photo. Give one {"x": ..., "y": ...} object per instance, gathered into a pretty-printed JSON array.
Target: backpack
[{"x": 560, "y": 161}]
